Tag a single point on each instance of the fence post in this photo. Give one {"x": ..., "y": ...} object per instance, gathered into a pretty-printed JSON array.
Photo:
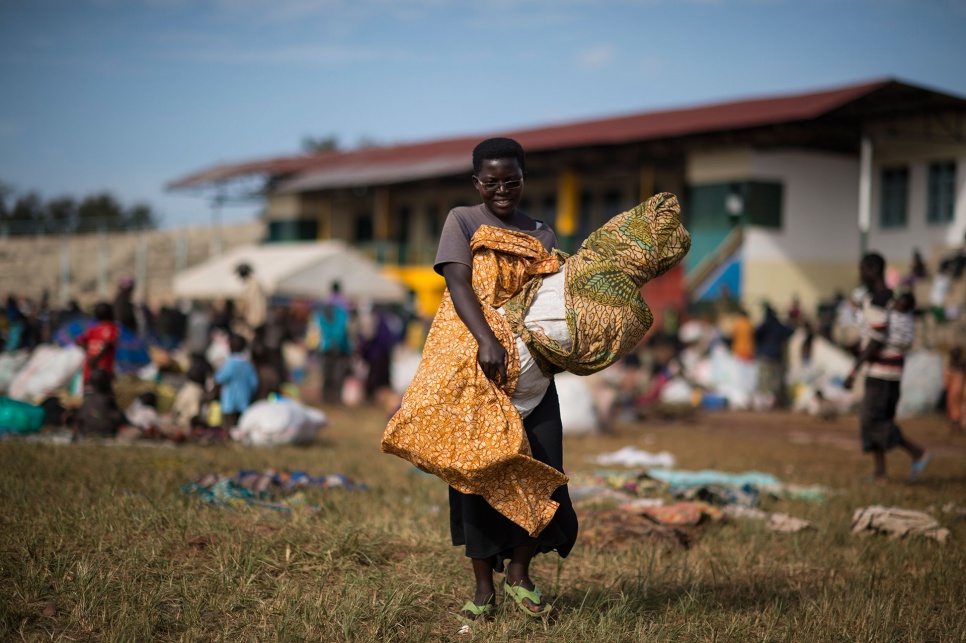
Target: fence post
[
  {"x": 141, "y": 266},
  {"x": 65, "y": 271},
  {"x": 180, "y": 253},
  {"x": 102, "y": 263},
  {"x": 216, "y": 240}
]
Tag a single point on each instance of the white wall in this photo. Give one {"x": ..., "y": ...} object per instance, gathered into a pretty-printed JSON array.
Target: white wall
[
  {"x": 897, "y": 244},
  {"x": 819, "y": 210},
  {"x": 718, "y": 166}
]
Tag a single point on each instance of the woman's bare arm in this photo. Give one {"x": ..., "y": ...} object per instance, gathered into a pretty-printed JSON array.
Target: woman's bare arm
[{"x": 491, "y": 355}]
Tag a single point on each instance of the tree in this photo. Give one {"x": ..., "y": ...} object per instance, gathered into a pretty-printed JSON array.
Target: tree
[
  {"x": 315, "y": 144},
  {"x": 28, "y": 213},
  {"x": 62, "y": 215}
]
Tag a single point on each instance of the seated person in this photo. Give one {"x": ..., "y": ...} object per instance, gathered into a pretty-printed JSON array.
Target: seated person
[
  {"x": 99, "y": 414},
  {"x": 186, "y": 410},
  {"x": 142, "y": 417}
]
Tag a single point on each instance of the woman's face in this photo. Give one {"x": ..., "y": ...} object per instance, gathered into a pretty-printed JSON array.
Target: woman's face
[{"x": 496, "y": 173}]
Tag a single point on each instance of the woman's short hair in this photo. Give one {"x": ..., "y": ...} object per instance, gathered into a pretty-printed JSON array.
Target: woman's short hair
[{"x": 498, "y": 148}]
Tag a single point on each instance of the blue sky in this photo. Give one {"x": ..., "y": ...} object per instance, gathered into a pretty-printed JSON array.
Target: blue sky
[{"x": 126, "y": 95}]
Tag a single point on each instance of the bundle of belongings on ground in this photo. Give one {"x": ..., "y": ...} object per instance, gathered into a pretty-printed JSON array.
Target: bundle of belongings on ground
[
  {"x": 552, "y": 313},
  {"x": 897, "y": 522},
  {"x": 278, "y": 491}
]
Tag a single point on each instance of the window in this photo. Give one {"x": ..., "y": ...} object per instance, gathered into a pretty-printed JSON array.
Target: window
[
  {"x": 722, "y": 206},
  {"x": 763, "y": 204},
  {"x": 293, "y": 230},
  {"x": 895, "y": 192},
  {"x": 435, "y": 221},
  {"x": 941, "y": 196},
  {"x": 363, "y": 228}
]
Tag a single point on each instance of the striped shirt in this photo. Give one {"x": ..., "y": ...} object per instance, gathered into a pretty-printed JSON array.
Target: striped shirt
[{"x": 878, "y": 318}]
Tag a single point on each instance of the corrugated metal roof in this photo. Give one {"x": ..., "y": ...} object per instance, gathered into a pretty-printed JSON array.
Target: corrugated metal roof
[
  {"x": 447, "y": 157},
  {"x": 733, "y": 115},
  {"x": 272, "y": 167}
]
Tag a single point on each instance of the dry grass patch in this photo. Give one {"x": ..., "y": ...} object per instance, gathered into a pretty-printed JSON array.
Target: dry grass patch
[{"x": 98, "y": 543}]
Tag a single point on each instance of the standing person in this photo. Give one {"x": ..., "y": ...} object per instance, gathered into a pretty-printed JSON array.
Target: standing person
[
  {"x": 254, "y": 308},
  {"x": 100, "y": 342},
  {"x": 743, "y": 336},
  {"x": 882, "y": 355},
  {"x": 489, "y": 537},
  {"x": 376, "y": 342},
  {"x": 267, "y": 356},
  {"x": 955, "y": 383},
  {"x": 238, "y": 381},
  {"x": 124, "y": 310},
  {"x": 198, "y": 328},
  {"x": 771, "y": 339},
  {"x": 331, "y": 325}
]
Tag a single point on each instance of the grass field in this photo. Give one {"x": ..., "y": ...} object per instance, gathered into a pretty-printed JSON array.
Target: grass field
[{"x": 98, "y": 543}]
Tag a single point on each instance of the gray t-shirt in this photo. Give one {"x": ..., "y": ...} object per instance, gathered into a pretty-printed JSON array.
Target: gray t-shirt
[{"x": 462, "y": 223}]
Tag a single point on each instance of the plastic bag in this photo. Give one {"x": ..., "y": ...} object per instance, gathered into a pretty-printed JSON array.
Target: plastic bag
[
  {"x": 280, "y": 421},
  {"x": 20, "y": 417}
]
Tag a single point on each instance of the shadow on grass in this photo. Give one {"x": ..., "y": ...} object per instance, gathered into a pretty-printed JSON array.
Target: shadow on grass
[{"x": 638, "y": 597}]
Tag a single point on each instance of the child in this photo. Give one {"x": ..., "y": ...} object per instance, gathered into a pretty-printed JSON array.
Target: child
[
  {"x": 955, "y": 381},
  {"x": 902, "y": 325},
  {"x": 238, "y": 381},
  {"x": 187, "y": 403},
  {"x": 142, "y": 415},
  {"x": 99, "y": 414},
  {"x": 100, "y": 342}
]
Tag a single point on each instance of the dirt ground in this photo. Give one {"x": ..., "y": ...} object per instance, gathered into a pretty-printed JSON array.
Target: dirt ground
[
  {"x": 799, "y": 428},
  {"x": 842, "y": 432}
]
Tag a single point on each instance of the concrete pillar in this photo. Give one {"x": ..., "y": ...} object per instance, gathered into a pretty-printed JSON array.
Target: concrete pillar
[
  {"x": 102, "y": 263},
  {"x": 568, "y": 208},
  {"x": 325, "y": 217},
  {"x": 180, "y": 252},
  {"x": 381, "y": 217},
  {"x": 141, "y": 267},
  {"x": 647, "y": 183},
  {"x": 865, "y": 194},
  {"x": 65, "y": 272},
  {"x": 216, "y": 233}
]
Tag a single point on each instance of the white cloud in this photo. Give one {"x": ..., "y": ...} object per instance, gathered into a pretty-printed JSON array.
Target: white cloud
[
  {"x": 595, "y": 57},
  {"x": 304, "y": 55}
]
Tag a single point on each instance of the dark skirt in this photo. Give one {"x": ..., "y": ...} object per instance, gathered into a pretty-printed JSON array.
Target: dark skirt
[
  {"x": 879, "y": 429},
  {"x": 487, "y": 533}
]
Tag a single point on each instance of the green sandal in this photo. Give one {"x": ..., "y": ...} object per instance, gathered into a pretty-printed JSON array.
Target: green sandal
[
  {"x": 479, "y": 612},
  {"x": 519, "y": 594}
]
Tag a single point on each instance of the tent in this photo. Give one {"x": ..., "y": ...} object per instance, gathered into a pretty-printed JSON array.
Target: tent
[{"x": 297, "y": 269}]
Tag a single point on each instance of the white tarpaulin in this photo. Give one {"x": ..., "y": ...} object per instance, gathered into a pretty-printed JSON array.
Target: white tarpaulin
[{"x": 297, "y": 269}]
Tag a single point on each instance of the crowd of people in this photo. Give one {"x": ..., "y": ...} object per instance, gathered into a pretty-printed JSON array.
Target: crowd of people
[
  {"x": 218, "y": 359},
  {"x": 727, "y": 355}
]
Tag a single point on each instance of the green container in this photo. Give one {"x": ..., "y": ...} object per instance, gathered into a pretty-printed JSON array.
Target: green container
[{"x": 20, "y": 417}]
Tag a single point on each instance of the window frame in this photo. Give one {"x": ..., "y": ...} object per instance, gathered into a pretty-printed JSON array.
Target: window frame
[
  {"x": 893, "y": 212},
  {"x": 941, "y": 192}
]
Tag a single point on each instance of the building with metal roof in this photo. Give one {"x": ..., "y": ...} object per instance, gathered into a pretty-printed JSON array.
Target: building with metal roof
[{"x": 781, "y": 194}]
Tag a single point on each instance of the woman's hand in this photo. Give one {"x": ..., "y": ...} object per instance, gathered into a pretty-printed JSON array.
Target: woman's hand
[
  {"x": 492, "y": 358},
  {"x": 490, "y": 354}
]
